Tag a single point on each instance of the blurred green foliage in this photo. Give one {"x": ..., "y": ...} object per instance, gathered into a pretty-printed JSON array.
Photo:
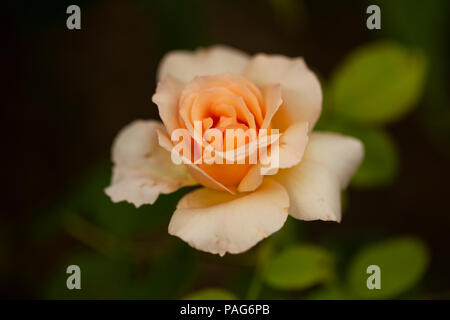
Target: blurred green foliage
[
  {"x": 424, "y": 25},
  {"x": 299, "y": 267},
  {"x": 402, "y": 261},
  {"x": 375, "y": 85},
  {"x": 378, "y": 83},
  {"x": 211, "y": 294}
]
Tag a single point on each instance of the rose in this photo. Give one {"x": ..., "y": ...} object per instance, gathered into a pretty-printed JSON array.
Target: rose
[{"x": 238, "y": 206}]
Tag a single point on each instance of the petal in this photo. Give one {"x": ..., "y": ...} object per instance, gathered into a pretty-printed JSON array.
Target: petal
[
  {"x": 314, "y": 185},
  {"x": 218, "y": 222},
  {"x": 185, "y": 65},
  {"x": 272, "y": 101},
  {"x": 166, "y": 98},
  {"x": 138, "y": 186},
  {"x": 198, "y": 174},
  {"x": 341, "y": 154},
  {"x": 313, "y": 191},
  {"x": 301, "y": 91},
  {"x": 252, "y": 180},
  {"x": 142, "y": 169},
  {"x": 293, "y": 143}
]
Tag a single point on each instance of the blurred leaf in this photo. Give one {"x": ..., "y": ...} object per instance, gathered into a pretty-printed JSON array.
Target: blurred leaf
[
  {"x": 426, "y": 25},
  {"x": 380, "y": 163},
  {"x": 299, "y": 267},
  {"x": 210, "y": 294},
  {"x": 378, "y": 83},
  {"x": 402, "y": 261},
  {"x": 330, "y": 292}
]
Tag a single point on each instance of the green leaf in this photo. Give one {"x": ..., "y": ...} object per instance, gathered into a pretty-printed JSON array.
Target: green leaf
[
  {"x": 211, "y": 294},
  {"x": 402, "y": 263},
  {"x": 378, "y": 83},
  {"x": 299, "y": 267},
  {"x": 330, "y": 292},
  {"x": 380, "y": 163}
]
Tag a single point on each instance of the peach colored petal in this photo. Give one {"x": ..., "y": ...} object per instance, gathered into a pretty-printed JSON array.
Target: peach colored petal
[
  {"x": 185, "y": 65},
  {"x": 198, "y": 174},
  {"x": 211, "y": 95},
  {"x": 314, "y": 184},
  {"x": 252, "y": 180},
  {"x": 293, "y": 144},
  {"x": 301, "y": 91},
  {"x": 142, "y": 169},
  {"x": 272, "y": 101},
  {"x": 218, "y": 222}
]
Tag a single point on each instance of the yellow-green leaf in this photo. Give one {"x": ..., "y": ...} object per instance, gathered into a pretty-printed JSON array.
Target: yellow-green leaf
[
  {"x": 299, "y": 267},
  {"x": 402, "y": 262},
  {"x": 210, "y": 294},
  {"x": 378, "y": 83}
]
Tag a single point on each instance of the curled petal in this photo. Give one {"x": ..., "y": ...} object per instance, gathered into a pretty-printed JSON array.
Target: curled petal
[
  {"x": 314, "y": 184},
  {"x": 142, "y": 169},
  {"x": 218, "y": 222},
  {"x": 301, "y": 91},
  {"x": 185, "y": 65}
]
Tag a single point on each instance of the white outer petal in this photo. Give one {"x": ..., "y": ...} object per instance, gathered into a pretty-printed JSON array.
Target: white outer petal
[
  {"x": 138, "y": 187},
  {"x": 185, "y": 65},
  {"x": 142, "y": 169},
  {"x": 314, "y": 184},
  {"x": 341, "y": 154},
  {"x": 166, "y": 98},
  {"x": 313, "y": 191},
  {"x": 218, "y": 222}
]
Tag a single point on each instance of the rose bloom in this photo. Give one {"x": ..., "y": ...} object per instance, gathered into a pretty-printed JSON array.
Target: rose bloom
[{"x": 237, "y": 206}]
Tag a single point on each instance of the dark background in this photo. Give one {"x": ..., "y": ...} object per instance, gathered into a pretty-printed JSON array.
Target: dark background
[{"x": 67, "y": 93}]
